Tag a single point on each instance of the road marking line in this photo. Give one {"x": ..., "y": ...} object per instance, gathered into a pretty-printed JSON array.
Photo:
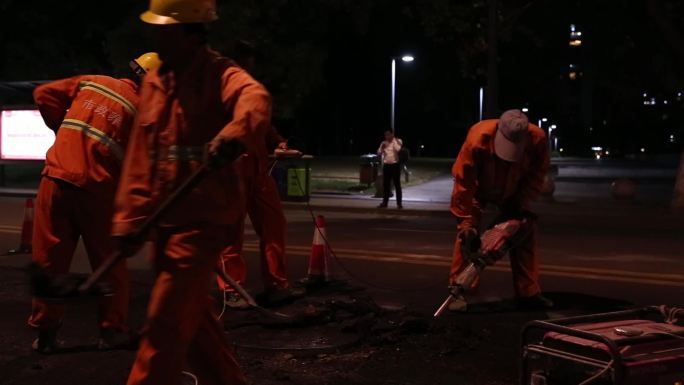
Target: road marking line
[
  {"x": 437, "y": 258},
  {"x": 6, "y": 229},
  {"x": 672, "y": 280}
]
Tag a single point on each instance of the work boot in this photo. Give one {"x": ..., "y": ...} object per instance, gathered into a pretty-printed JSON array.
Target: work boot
[
  {"x": 46, "y": 343},
  {"x": 117, "y": 339},
  {"x": 535, "y": 302},
  {"x": 235, "y": 301},
  {"x": 280, "y": 296},
  {"x": 458, "y": 304}
]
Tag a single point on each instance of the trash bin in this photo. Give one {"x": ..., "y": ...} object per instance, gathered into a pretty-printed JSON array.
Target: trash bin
[
  {"x": 368, "y": 168},
  {"x": 293, "y": 178}
]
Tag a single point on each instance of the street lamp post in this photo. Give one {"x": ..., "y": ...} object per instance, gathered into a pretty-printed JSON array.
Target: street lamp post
[
  {"x": 405, "y": 59},
  {"x": 552, "y": 142}
]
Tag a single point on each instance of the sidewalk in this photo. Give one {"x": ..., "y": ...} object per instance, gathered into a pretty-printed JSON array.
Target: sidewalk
[{"x": 433, "y": 198}]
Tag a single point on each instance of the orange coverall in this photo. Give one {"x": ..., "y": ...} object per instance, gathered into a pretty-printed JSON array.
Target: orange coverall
[
  {"x": 179, "y": 114},
  {"x": 268, "y": 220},
  {"x": 480, "y": 177},
  {"x": 91, "y": 116}
]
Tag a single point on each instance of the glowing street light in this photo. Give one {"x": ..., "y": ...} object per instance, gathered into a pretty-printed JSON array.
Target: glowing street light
[
  {"x": 553, "y": 143},
  {"x": 405, "y": 59}
]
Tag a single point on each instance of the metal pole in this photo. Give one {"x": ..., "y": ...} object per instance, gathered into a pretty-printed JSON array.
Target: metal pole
[
  {"x": 394, "y": 77},
  {"x": 481, "y": 101}
]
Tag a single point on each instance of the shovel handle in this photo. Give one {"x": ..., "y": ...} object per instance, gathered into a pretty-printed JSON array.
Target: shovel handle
[{"x": 191, "y": 182}]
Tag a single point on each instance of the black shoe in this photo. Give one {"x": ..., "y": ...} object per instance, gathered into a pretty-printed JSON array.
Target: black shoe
[
  {"x": 46, "y": 343},
  {"x": 117, "y": 339},
  {"x": 535, "y": 302},
  {"x": 382, "y": 206},
  {"x": 400, "y": 206}
]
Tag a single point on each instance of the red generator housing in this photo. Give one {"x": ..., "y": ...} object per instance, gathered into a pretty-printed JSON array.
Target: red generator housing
[{"x": 634, "y": 347}]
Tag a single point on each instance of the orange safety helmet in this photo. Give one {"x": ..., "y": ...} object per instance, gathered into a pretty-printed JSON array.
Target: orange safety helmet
[
  {"x": 180, "y": 12},
  {"x": 145, "y": 63}
]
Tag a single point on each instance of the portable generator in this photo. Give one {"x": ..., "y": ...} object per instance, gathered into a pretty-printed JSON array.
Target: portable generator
[{"x": 634, "y": 347}]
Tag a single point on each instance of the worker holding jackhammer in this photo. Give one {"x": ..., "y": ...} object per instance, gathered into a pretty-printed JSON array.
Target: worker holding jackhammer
[
  {"x": 502, "y": 162},
  {"x": 196, "y": 97},
  {"x": 265, "y": 212},
  {"x": 91, "y": 116}
]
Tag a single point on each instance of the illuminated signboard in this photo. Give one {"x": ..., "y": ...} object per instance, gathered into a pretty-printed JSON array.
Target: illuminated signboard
[{"x": 24, "y": 135}]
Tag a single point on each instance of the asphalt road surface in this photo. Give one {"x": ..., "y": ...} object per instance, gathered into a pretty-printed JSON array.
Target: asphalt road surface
[
  {"x": 633, "y": 253},
  {"x": 593, "y": 257}
]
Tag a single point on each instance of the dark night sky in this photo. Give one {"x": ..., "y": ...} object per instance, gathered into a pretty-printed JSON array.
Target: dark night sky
[{"x": 327, "y": 63}]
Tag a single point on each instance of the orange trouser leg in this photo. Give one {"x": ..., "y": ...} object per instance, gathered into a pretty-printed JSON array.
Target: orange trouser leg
[
  {"x": 231, "y": 260},
  {"x": 54, "y": 241},
  {"x": 268, "y": 219},
  {"x": 94, "y": 217},
  {"x": 525, "y": 267},
  {"x": 179, "y": 316},
  {"x": 63, "y": 214},
  {"x": 213, "y": 366}
]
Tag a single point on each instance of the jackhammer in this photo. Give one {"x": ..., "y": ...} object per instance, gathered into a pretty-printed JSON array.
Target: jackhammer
[{"x": 495, "y": 244}]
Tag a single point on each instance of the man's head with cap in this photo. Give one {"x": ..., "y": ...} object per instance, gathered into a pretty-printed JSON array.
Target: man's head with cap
[{"x": 511, "y": 135}]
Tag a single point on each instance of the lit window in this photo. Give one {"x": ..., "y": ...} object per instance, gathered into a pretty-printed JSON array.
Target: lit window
[
  {"x": 575, "y": 43},
  {"x": 573, "y": 75}
]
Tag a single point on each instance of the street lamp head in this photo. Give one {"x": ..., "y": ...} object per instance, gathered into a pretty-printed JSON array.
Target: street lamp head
[
  {"x": 553, "y": 127},
  {"x": 544, "y": 120},
  {"x": 407, "y": 58}
]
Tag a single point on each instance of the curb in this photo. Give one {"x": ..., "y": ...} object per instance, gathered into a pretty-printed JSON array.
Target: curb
[
  {"x": 18, "y": 192},
  {"x": 367, "y": 210}
]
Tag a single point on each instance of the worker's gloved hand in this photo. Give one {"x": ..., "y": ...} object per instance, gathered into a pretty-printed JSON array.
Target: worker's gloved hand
[
  {"x": 223, "y": 150},
  {"x": 128, "y": 245},
  {"x": 470, "y": 240}
]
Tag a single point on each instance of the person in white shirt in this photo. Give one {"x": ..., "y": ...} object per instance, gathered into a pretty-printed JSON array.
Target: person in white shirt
[{"x": 391, "y": 169}]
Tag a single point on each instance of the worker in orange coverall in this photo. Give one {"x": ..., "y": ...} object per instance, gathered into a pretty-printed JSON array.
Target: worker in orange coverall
[
  {"x": 196, "y": 97},
  {"x": 268, "y": 220},
  {"x": 91, "y": 116},
  {"x": 502, "y": 162},
  {"x": 265, "y": 212}
]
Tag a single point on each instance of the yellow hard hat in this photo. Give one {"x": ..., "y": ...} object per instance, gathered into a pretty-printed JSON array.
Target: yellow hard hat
[
  {"x": 180, "y": 11},
  {"x": 145, "y": 63}
]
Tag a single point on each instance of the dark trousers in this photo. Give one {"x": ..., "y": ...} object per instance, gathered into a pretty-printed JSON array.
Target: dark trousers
[{"x": 391, "y": 172}]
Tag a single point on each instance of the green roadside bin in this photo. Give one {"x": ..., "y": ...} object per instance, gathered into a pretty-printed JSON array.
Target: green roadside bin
[{"x": 293, "y": 177}]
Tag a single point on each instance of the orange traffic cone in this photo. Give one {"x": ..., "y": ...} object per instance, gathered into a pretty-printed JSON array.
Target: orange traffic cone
[
  {"x": 319, "y": 261},
  {"x": 26, "y": 231}
]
